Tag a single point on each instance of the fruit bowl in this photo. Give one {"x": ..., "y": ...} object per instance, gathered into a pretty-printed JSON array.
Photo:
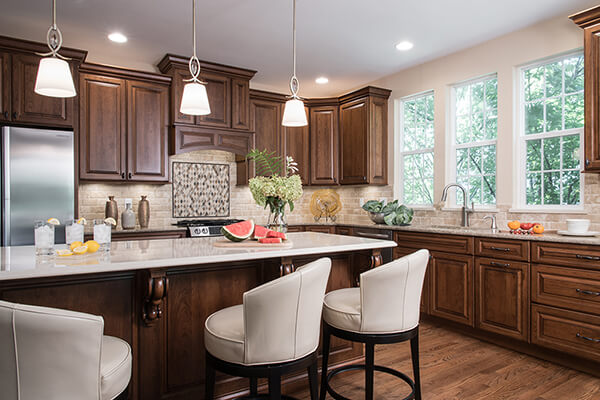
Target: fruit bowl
[{"x": 377, "y": 217}]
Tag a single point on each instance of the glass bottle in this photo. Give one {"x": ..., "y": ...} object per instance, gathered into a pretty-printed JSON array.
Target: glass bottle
[{"x": 128, "y": 216}]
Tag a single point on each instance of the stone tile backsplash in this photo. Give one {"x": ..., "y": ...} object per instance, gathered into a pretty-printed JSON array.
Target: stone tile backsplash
[{"x": 93, "y": 196}]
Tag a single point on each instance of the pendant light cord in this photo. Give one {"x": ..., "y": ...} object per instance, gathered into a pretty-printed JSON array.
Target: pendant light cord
[
  {"x": 294, "y": 83},
  {"x": 194, "y": 26},
  {"x": 194, "y": 63},
  {"x": 294, "y": 39},
  {"x": 54, "y": 14}
]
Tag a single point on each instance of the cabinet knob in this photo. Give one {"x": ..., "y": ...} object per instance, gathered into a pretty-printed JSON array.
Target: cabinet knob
[
  {"x": 122, "y": 175},
  {"x": 5, "y": 114},
  {"x": 130, "y": 175},
  {"x": 364, "y": 178},
  {"x": 587, "y": 162},
  {"x": 14, "y": 115}
]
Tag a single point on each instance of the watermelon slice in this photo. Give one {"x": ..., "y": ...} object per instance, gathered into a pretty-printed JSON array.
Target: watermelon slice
[
  {"x": 239, "y": 231},
  {"x": 269, "y": 240},
  {"x": 275, "y": 234},
  {"x": 259, "y": 232}
]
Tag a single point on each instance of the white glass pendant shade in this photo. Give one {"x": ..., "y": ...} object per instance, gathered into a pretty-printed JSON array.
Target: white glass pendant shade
[
  {"x": 54, "y": 78},
  {"x": 294, "y": 113},
  {"x": 194, "y": 100}
]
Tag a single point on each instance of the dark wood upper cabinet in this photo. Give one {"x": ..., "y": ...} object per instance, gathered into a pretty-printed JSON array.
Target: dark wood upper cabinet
[
  {"x": 240, "y": 104},
  {"x": 502, "y": 290},
  {"x": 218, "y": 89},
  {"x": 266, "y": 112},
  {"x": 353, "y": 142},
  {"x": 30, "y": 107},
  {"x": 451, "y": 286},
  {"x": 5, "y": 86},
  {"x": 363, "y": 137},
  {"x": 324, "y": 145},
  {"x": 589, "y": 20},
  {"x": 147, "y": 132},
  {"x": 124, "y": 125},
  {"x": 227, "y": 88},
  {"x": 102, "y": 127},
  {"x": 18, "y": 73},
  {"x": 296, "y": 143}
]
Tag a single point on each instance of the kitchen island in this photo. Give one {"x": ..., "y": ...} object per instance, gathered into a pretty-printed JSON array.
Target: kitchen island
[{"x": 156, "y": 294}]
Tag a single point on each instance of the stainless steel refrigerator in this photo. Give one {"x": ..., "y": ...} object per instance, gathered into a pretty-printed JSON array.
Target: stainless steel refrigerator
[{"x": 38, "y": 181}]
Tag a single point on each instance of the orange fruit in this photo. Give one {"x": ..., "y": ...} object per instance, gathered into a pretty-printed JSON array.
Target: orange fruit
[
  {"x": 514, "y": 225},
  {"x": 538, "y": 228}
]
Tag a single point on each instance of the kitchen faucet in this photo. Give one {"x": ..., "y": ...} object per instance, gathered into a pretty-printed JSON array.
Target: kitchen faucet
[
  {"x": 493, "y": 226},
  {"x": 465, "y": 209}
]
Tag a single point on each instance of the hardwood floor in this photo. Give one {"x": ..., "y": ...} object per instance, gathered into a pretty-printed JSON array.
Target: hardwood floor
[{"x": 454, "y": 366}]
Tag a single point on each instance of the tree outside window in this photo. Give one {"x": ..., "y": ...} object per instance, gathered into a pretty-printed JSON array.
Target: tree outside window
[
  {"x": 475, "y": 129},
  {"x": 417, "y": 142},
  {"x": 553, "y": 117}
]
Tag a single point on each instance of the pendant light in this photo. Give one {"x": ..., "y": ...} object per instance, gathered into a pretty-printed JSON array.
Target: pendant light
[
  {"x": 294, "y": 113},
  {"x": 195, "y": 99},
  {"x": 54, "y": 77}
]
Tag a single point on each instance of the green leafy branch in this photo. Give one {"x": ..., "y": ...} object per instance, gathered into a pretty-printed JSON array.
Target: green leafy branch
[{"x": 266, "y": 163}]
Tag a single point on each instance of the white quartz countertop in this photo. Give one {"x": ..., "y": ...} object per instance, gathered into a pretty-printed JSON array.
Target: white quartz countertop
[{"x": 20, "y": 262}]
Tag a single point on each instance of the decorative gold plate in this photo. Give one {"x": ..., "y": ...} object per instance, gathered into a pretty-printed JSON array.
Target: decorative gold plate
[{"x": 325, "y": 203}]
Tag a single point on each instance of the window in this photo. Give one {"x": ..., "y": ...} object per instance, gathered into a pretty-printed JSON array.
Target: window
[
  {"x": 474, "y": 131},
  {"x": 416, "y": 141},
  {"x": 551, "y": 128}
]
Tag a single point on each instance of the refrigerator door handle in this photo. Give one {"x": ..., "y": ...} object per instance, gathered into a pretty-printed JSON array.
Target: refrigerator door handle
[{"x": 6, "y": 184}]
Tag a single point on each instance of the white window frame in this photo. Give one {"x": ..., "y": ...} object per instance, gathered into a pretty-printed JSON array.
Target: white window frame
[
  {"x": 451, "y": 157},
  {"x": 399, "y": 160},
  {"x": 522, "y": 138}
]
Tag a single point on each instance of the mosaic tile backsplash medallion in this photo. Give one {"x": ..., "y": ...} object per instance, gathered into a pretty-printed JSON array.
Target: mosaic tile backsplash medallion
[{"x": 200, "y": 190}]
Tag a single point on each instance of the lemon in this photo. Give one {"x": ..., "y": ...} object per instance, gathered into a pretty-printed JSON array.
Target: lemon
[
  {"x": 80, "y": 250},
  {"x": 75, "y": 244},
  {"x": 92, "y": 246},
  {"x": 82, "y": 221},
  {"x": 110, "y": 221},
  {"x": 53, "y": 221},
  {"x": 64, "y": 252}
]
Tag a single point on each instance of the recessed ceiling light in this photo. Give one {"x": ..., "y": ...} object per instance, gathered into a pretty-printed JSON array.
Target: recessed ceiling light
[
  {"x": 117, "y": 37},
  {"x": 404, "y": 45},
  {"x": 321, "y": 80}
]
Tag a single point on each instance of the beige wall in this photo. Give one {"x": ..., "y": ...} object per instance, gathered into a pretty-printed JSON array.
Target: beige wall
[
  {"x": 504, "y": 56},
  {"x": 93, "y": 196}
]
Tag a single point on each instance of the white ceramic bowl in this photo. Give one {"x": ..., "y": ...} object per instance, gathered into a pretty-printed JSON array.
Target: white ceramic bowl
[{"x": 578, "y": 225}]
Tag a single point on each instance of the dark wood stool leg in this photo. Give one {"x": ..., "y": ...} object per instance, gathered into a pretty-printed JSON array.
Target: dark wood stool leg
[
  {"x": 209, "y": 382},
  {"x": 313, "y": 381},
  {"x": 253, "y": 386},
  {"x": 274, "y": 386},
  {"x": 369, "y": 363},
  {"x": 414, "y": 350},
  {"x": 326, "y": 341}
]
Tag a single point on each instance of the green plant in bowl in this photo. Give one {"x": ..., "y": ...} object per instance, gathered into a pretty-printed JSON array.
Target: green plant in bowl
[{"x": 391, "y": 213}]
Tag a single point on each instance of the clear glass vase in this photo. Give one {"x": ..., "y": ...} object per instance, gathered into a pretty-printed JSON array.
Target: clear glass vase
[{"x": 277, "y": 221}]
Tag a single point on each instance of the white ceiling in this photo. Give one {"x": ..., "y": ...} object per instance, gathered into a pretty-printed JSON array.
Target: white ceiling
[{"x": 349, "y": 41}]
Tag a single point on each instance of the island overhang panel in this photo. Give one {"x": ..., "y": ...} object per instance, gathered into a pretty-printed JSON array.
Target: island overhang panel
[{"x": 156, "y": 294}]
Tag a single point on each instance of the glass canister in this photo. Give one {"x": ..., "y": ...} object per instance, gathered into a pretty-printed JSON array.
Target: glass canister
[{"x": 128, "y": 216}]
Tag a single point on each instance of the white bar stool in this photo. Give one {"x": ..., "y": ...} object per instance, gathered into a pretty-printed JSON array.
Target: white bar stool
[
  {"x": 383, "y": 310},
  {"x": 275, "y": 331},
  {"x": 48, "y": 353}
]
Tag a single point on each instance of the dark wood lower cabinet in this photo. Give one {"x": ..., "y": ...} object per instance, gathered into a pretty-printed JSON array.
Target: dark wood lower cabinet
[
  {"x": 168, "y": 352},
  {"x": 452, "y": 294},
  {"x": 502, "y": 297}
]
